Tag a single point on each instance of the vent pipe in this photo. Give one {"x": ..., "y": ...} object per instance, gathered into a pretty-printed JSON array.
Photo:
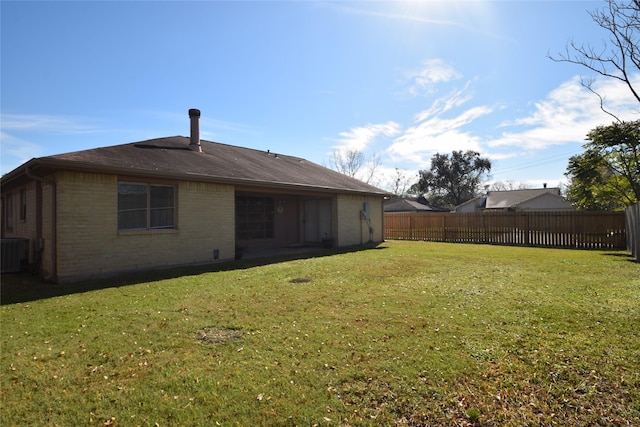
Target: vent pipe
[{"x": 194, "y": 141}]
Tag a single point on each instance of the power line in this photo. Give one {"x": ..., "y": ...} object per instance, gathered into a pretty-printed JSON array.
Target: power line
[{"x": 534, "y": 163}]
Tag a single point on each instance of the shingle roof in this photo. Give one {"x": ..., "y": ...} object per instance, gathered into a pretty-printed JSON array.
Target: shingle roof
[
  {"x": 171, "y": 157},
  {"x": 511, "y": 198},
  {"x": 476, "y": 202},
  {"x": 408, "y": 205}
]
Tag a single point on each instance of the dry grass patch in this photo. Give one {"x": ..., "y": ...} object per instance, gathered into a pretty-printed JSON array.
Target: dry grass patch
[{"x": 218, "y": 335}]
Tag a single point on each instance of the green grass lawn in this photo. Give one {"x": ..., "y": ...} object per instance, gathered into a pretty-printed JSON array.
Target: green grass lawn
[{"x": 409, "y": 333}]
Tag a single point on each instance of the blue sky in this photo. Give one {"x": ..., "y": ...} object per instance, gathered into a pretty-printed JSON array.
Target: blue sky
[{"x": 398, "y": 81}]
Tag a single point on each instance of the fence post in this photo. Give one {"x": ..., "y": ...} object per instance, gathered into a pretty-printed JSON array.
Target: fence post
[
  {"x": 444, "y": 228},
  {"x": 632, "y": 228},
  {"x": 636, "y": 231}
]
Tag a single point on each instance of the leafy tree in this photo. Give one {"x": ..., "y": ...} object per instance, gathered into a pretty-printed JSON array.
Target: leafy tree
[
  {"x": 619, "y": 57},
  {"x": 454, "y": 179},
  {"x": 607, "y": 175}
]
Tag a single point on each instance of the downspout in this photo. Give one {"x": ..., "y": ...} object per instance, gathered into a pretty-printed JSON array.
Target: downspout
[
  {"x": 383, "y": 220},
  {"x": 54, "y": 222},
  {"x": 361, "y": 215}
]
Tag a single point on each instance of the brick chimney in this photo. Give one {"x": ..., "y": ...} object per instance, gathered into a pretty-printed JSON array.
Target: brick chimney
[{"x": 194, "y": 140}]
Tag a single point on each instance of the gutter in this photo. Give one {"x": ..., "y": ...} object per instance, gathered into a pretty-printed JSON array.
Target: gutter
[{"x": 54, "y": 222}]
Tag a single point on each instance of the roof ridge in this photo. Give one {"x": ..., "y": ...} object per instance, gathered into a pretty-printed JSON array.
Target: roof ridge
[{"x": 255, "y": 149}]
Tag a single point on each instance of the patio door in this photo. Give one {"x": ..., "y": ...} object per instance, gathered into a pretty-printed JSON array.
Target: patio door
[{"x": 317, "y": 219}]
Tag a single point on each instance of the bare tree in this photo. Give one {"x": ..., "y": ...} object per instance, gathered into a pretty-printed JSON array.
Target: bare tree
[
  {"x": 372, "y": 168},
  {"x": 400, "y": 183},
  {"x": 507, "y": 186},
  {"x": 619, "y": 57},
  {"x": 352, "y": 162},
  {"x": 347, "y": 162}
]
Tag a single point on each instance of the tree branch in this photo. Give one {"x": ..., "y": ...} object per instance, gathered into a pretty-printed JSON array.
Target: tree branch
[{"x": 617, "y": 59}]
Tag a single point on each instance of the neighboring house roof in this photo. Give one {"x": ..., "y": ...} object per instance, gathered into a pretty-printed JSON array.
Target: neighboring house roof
[
  {"x": 471, "y": 205},
  {"x": 513, "y": 198},
  {"x": 171, "y": 157},
  {"x": 532, "y": 198},
  {"x": 546, "y": 201},
  {"x": 398, "y": 204}
]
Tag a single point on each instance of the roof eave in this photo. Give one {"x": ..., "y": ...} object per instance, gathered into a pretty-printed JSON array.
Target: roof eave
[
  {"x": 18, "y": 173},
  {"x": 50, "y": 165}
]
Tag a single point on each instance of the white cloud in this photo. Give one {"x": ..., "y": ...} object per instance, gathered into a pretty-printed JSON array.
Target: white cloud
[
  {"x": 562, "y": 117},
  {"x": 444, "y": 104},
  {"x": 501, "y": 156},
  {"x": 434, "y": 133},
  {"x": 412, "y": 15},
  {"x": 15, "y": 151},
  {"x": 419, "y": 144},
  {"x": 46, "y": 124},
  {"x": 360, "y": 137},
  {"x": 433, "y": 72},
  {"x": 566, "y": 115},
  {"x": 464, "y": 17}
]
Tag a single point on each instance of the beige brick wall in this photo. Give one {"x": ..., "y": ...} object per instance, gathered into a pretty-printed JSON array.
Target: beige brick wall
[
  {"x": 89, "y": 243},
  {"x": 206, "y": 216},
  {"x": 352, "y": 228},
  {"x": 47, "y": 263}
]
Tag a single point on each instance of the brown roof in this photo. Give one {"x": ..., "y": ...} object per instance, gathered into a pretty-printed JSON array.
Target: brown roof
[
  {"x": 171, "y": 157},
  {"x": 398, "y": 204},
  {"x": 511, "y": 198}
]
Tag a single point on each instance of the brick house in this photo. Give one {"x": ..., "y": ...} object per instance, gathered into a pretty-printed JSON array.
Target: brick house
[
  {"x": 530, "y": 199},
  {"x": 178, "y": 201}
]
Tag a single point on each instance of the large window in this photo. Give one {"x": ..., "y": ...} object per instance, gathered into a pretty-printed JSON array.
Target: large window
[
  {"x": 254, "y": 217},
  {"x": 145, "y": 206}
]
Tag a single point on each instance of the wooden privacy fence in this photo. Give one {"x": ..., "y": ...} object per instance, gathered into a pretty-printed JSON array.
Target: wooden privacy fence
[
  {"x": 633, "y": 230},
  {"x": 566, "y": 229}
]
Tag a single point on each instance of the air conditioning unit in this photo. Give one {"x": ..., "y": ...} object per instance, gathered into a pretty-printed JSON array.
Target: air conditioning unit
[{"x": 14, "y": 254}]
